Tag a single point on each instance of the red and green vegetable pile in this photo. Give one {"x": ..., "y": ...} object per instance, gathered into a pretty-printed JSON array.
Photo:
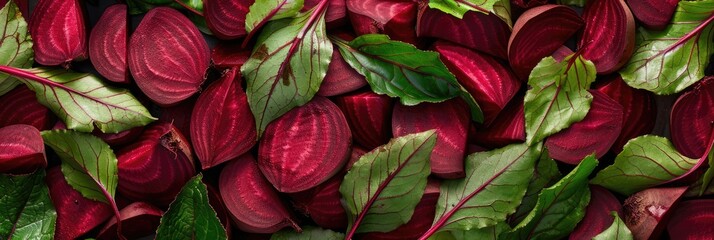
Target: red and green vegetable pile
[{"x": 357, "y": 119}]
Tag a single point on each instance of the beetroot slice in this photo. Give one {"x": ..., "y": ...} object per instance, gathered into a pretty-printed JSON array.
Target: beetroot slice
[
  {"x": 597, "y": 214},
  {"x": 538, "y": 33},
  {"x": 692, "y": 119},
  {"x": 251, "y": 201},
  {"x": 305, "y": 147},
  {"x": 155, "y": 167},
  {"x": 396, "y": 18},
  {"x": 646, "y": 212},
  {"x": 653, "y": 14},
  {"x": 336, "y": 14},
  {"x": 450, "y": 119},
  {"x": 20, "y": 106},
  {"x": 483, "y": 32},
  {"x": 369, "y": 115},
  {"x": 76, "y": 215},
  {"x": 107, "y": 44},
  {"x": 222, "y": 125},
  {"x": 491, "y": 83},
  {"x": 229, "y": 55},
  {"x": 608, "y": 39},
  {"x": 216, "y": 202},
  {"x": 639, "y": 109},
  {"x": 692, "y": 219},
  {"x": 525, "y": 4},
  {"x": 322, "y": 204},
  {"x": 22, "y": 149},
  {"x": 341, "y": 78},
  {"x": 356, "y": 154},
  {"x": 160, "y": 68},
  {"x": 138, "y": 220},
  {"x": 601, "y": 125},
  {"x": 509, "y": 127},
  {"x": 226, "y": 18},
  {"x": 58, "y": 32}
]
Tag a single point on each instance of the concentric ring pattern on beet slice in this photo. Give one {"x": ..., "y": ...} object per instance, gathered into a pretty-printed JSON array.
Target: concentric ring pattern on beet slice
[
  {"x": 138, "y": 219},
  {"x": 254, "y": 205},
  {"x": 23, "y": 150},
  {"x": 692, "y": 119},
  {"x": 226, "y": 18},
  {"x": 450, "y": 119},
  {"x": 369, "y": 116},
  {"x": 692, "y": 219},
  {"x": 108, "y": 42},
  {"x": 305, "y": 147},
  {"x": 341, "y": 78},
  {"x": 594, "y": 134},
  {"x": 509, "y": 127},
  {"x": 608, "y": 39},
  {"x": 395, "y": 18},
  {"x": 323, "y": 204},
  {"x": 653, "y": 14},
  {"x": 168, "y": 57},
  {"x": 58, "y": 32},
  {"x": 229, "y": 54}
]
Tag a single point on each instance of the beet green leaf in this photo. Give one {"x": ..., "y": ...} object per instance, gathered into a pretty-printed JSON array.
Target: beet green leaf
[
  {"x": 15, "y": 44},
  {"x": 263, "y": 11},
  {"x": 27, "y": 211},
  {"x": 190, "y": 216},
  {"x": 617, "y": 231},
  {"x": 546, "y": 174},
  {"x": 308, "y": 233},
  {"x": 457, "y": 8}
]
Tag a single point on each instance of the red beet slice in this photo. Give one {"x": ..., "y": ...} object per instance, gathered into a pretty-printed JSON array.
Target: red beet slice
[
  {"x": 305, "y": 147},
  {"x": 597, "y": 214},
  {"x": 322, "y": 204},
  {"x": 229, "y": 55},
  {"x": 639, "y": 109},
  {"x": 177, "y": 115},
  {"x": 121, "y": 138},
  {"x": 396, "y": 18},
  {"x": 421, "y": 219},
  {"x": 561, "y": 53},
  {"x": 528, "y": 3},
  {"x": 356, "y": 154},
  {"x": 450, "y": 119},
  {"x": 58, "y": 32},
  {"x": 226, "y": 18},
  {"x": 509, "y": 127},
  {"x": 692, "y": 219},
  {"x": 608, "y": 39},
  {"x": 369, "y": 115},
  {"x": 491, "y": 83},
  {"x": 341, "y": 78},
  {"x": 692, "y": 119},
  {"x": 483, "y": 32},
  {"x": 336, "y": 14},
  {"x": 645, "y": 210},
  {"x": 216, "y": 201},
  {"x": 653, "y": 14},
  {"x": 253, "y": 203},
  {"x": 168, "y": 57},
  {"x": 155, "y": 167},
  {"x": 602, "y": 125},
  {"x": 138, "y": 220},
  {"x": 20, "y": 106},
  {"x": 222, "y": 125},
  {"x": 22, "y": 149},
  {"x": 538, "y": 33},
  {"x": 76, "y": 215},
  {"x": 107, "y": 44}
]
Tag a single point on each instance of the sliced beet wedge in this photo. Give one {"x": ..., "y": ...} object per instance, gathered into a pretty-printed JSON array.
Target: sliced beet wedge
[
  {"x": 692, "y": 119},
  {"x": 538, "y": 33},
  {"x": 526, "y": 4},
  {"x": 222, "y": 125},
  {"x": 22, "y": 149},
  {"x": 216, "y": 201},
  {"x": 483, "y": 32},
  {"x": 450, "y": 119},
  {"x": 107, "y": 44},
  {"x": 336, "y": 14},
  {"x": 20, "y": 106},
  {"x": 639, "y": 109},
  {"x": 490, "y": 82},
  {"x": 160, "y": 68},
  {"x": 509, "y": 127},
  {"x": 154, "y": 168},
  {"x": 653, "y": 14},
  {"x": 305, "y": 147},
  {"x": 138, "y": 220},
  {"x": 226, "y": 18},
  {"x": 341, "y": 78},
  {"x": 322, "y": 204},
  {"x": 608, "y": 39},
  {"x": 594, "y": 134},
  {"x": 254, "y": 205},
  {"x": 692, "y": 219},
  {"x": 597, "y": 214},
  {"x": 76, "y": 215},
  {"x": 646, "y": 212},
  {"x": 369, "y": 115},
  {"x": 58, "y": 32},
  {"x": 396, "y": 18},
  {"x": 227, "y": 55},
  {"x": 357, "y": 153}
]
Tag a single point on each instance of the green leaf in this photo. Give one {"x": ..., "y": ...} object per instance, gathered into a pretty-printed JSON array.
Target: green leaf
[
  {"x": 263, "y": 11},
  {"x": 308, "y": 233},
  {"x": 644, "y": 162},
  {"x": 83, "y": 100},
  {"x": 15, "y": 44},
  {"x": 190, "y": 216},
  {"x": 559, "y": 207},
  {"x": 617, "y": 231},
  {"x": 458, "y": 8},
  {"x": 577, "y": 3},
  {"x": 287, "y": 66},
  {"x": 385, "y": 185},
  {"x": 558, "y": 96},
  {"x": 668, "y": 61},
  {"x": 502, "y": 9},
  {"x": 401, "y": 70},
  {"x": 88, "y": 163},
  {"x": 709, "y": 173},
  {"x": 546, "y": 174},
  {"x": 27, "y": 211},
  {"x": 494, "y": 186},
  {"x": 487, "y": 233}
]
